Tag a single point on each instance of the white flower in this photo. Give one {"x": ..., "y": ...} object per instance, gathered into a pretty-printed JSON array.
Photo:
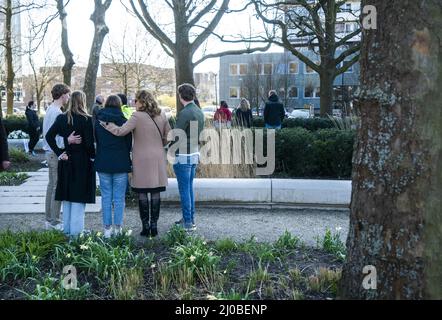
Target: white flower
[
  {"x": 98, "y": 234},
  {"x": 338, "y": 229},
  {"x": 192, "y": 258},
  {"x": 84, "y": 247},
  {"x": 210, "y": 253},
  {"x": 68, "y": 255},
  {"x": 128, "y": 232},
  {"x": 153, "y": 266},
  {"x": 211, "y": 297},
  {"x": 204, "y": 243},
  {"x": 34, "y": 257},
  {"x": 225, "y": 271}
]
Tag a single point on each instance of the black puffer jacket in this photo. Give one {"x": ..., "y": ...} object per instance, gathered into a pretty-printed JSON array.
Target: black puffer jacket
[{"x": 274, "y": 112}]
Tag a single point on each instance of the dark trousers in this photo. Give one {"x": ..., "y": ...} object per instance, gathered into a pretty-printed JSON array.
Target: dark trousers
[{"x": 34, "y": 136}]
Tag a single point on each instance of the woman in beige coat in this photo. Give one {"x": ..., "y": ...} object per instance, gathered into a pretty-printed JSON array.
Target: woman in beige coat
[{"x": 150, "y": 128}]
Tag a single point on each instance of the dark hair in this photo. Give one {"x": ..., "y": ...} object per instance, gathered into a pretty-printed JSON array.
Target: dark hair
[
  {"x": 187, "y": 92},
  {"x": 113, "y": 102},
  {"x": 58, "y": 90},
  {"x": 30, "y": 103},
  {"x": 123, "y": 98},
  {"x": 224, "y": 104},
  {"x": 197, "y": 102}
]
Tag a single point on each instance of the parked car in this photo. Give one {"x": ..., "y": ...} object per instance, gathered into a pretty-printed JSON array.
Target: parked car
[
  {"x": 209, "y": 111},
  {"x": 299, "y": 113}
]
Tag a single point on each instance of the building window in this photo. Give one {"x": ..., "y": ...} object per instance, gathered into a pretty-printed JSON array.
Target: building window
[
  {"x": 340, "y": 27},
  {"x": 293, "y": 92},
  {"x": 317, "y": 93},
  {"x": 242, "y": 68},
  {"x": 346, "y": 7},
  {"x": 266, "y": 68},
  {"x": 238, "y": 69},
  {"x": 293, "y": 67},
  {"x": 308, "y": 92},
  {"x": 234, "y": 92},
  {"x": 350, "y": 27}
]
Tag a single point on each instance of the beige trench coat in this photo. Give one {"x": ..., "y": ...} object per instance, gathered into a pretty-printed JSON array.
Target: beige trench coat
[{"x": 148, "y": 155}]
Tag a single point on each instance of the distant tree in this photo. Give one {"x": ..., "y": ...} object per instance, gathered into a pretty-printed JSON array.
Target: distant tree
[
  {"x": 193, "y": 23},
  {"x": 313, "y": 25},
  {"x": 68, "y": 56},
  {"x": 395, "y": 219},
  {"x": 100, "y": 31}
]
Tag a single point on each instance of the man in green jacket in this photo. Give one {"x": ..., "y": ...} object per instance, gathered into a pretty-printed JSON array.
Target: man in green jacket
[{"x": 191, "y": 120}]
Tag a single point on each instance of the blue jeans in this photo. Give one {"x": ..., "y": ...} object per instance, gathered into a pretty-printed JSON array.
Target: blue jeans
[
  {"x": 73, "y": 218},
  {"x": 113, "y": 191},
  {"x": 185, "y": 170},
  {"x": 269, "y": 126}
]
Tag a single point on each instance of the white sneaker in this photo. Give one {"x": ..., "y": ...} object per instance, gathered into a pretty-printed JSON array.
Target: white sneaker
[
  {"x": 58, "y": 227},
  {"x": 107, "y": 233},
  {"x": 118, "y": 231},
  {"x": 50, "y": 226}
]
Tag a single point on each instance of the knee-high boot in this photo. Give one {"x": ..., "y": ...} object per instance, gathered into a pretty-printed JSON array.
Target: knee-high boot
[
  {"x": 155, "y": 215},
  {"x": 144, "y": 216}
]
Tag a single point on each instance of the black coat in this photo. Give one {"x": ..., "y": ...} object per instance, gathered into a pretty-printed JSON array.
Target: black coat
[
  {"x": 32, "y": 117},
  {"x": 244, "y": 118},
  {"x": 113, "y": 153},
  {"x": 76, "y": 176},
  {"x": 4, "y": 155},
  {"x": 274, "y": 112}
]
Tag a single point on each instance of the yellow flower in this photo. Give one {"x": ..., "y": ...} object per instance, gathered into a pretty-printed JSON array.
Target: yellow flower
[
  {"x": 84, "y": 247},
  {"x": 211, "y": 297},
  {"x": 99, "y": 234}
]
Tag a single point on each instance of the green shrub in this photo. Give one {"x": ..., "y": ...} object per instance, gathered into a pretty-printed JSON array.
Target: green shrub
[
  {"x": 287, "y": 242},
  {"x": 51, "y": 288},
  {"x": 311, "y": 124},
  {"x": 12, "y": 178},
  {"x": 333, "y": 244},
  {"x": 325, "y": 153},
  {"x": 225, "y": 245},
  {"x": 176, "y": 236},
  {"x": 21, "y": 253},
  {"x": 12, "y": 123},
  {"x": 18, "y": 156}
]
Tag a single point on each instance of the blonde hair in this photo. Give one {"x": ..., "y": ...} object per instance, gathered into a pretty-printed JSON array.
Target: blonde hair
[
  {"x": 148, "y": 103},
  {"x": 244, "y": 105},
  {"x": 77, "y": 105}
]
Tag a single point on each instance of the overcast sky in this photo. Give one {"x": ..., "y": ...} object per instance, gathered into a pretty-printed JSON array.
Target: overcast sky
[{"x": 118, "y": 19}]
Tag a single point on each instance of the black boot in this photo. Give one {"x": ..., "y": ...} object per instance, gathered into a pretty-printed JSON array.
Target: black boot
[
  {"x": 155, "y": 215},
  {"x": 144, "y": 216}
]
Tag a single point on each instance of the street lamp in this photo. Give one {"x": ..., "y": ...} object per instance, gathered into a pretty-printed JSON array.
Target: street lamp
[{"x": 216, "y": 89}]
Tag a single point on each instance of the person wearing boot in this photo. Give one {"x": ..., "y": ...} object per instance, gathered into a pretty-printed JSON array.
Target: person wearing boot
[{"x": 150, "y": 128}]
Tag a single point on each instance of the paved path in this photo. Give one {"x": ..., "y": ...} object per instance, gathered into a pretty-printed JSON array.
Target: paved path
[
  {"x": 22, "y": 208},
  {"x": 219, "y": 223},
  {"x": 30, "y": 196}
]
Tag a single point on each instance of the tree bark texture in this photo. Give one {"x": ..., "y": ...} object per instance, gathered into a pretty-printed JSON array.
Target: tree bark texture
[
  {"x": 68, "y": 56},
  {"x": 396, "y": 219}
]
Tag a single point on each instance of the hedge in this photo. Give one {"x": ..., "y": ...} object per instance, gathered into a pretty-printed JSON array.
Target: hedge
[
  {"x": 325, "y": 153},
  {"x": 311, "y": 124},
  {"x": 13, "y": 123}
]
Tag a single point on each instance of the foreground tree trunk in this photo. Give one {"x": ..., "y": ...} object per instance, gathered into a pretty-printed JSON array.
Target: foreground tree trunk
[
  {"x": 396, "y": 221},
  {"x": 68, "y": 56},
  {"x": 10, "y": 74},
  {"x": 101, "y": 30}
]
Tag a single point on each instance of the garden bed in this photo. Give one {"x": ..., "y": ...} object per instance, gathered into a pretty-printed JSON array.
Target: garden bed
[{"x": 176, "y": 266}]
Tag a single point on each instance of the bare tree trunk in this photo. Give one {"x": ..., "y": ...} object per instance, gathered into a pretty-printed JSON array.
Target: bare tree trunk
[
  {"x": 101, "y": 30},
  {"x": 10, "y": 74},
  {"x": 183, "y": 72},
  {"x": 396, "y": 222},
  {"x": 326, "y": 85},
  {"x": 68, "y": 56}
]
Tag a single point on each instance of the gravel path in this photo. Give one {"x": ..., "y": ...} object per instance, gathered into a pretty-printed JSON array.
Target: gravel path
[{"x": 218, "y": 223}]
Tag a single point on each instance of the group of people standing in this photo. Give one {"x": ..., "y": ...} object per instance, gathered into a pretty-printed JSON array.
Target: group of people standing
[
  {"x": 274, "y": 114},
  {"x": 114, "y": 144}
]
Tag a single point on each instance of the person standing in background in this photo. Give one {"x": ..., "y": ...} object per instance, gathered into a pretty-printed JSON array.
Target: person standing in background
[
  {"x": 274, "y": 112},
  {"x": 243, "y": 114},
  {"x": 127, "y": 110},
  {"x": 4, "y": 154},
  {"x": 33, "y": 126}
]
